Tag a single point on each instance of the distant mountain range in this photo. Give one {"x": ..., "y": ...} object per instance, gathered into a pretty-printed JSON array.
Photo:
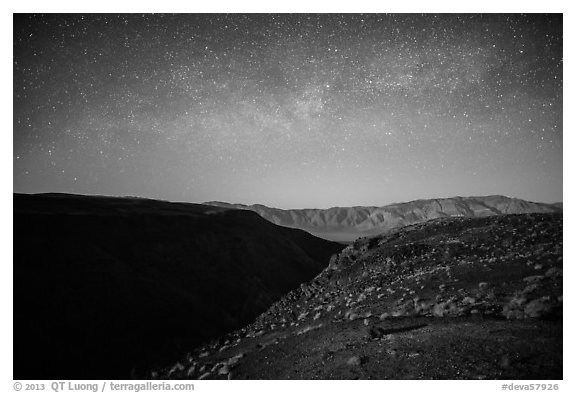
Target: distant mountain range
[{"x": 346, "y": 224}]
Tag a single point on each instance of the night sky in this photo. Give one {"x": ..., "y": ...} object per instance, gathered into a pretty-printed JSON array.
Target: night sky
[{"x": 289, "y": 110}]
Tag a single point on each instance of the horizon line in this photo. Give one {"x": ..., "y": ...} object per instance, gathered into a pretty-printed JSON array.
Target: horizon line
[{"x": 273, "y": 207}]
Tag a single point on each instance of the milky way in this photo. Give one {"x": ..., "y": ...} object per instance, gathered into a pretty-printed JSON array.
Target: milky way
[{"x": 289, "y": 110}]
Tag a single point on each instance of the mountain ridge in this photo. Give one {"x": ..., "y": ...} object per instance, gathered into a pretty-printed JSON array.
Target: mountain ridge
[{"x": 349, "y": 223}]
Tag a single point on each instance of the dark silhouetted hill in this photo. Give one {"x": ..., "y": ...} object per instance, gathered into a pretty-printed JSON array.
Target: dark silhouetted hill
[{"x": 103, "y": 285}]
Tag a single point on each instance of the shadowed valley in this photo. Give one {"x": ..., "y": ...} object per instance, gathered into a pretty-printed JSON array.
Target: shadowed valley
[{"x": 108, "y": 286}]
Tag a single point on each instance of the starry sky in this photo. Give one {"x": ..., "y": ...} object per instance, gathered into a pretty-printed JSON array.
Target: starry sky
[{"x": 289, "y": 110}]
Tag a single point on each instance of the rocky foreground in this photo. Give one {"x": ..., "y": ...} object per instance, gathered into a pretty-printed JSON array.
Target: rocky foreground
[{"x": 453, "y": 298}]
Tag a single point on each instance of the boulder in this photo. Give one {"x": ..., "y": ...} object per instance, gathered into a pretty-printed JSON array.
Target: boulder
[
  {"x": 354, "y": 361},
  {"x": 538, "y": 308},
  {"x": 554, "y": 272}
]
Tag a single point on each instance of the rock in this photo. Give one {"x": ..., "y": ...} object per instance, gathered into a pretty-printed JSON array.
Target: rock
[
  {"x": 530, "y": 288},
  {"x": 518, "y": 300},
  {"x": 204, "y": 376},
  {"x": 309, "y": 328},
  {"x": 224, "y": 370},
  {"x": 317, "y": 316},
  {"x": 468, "y": 300},
  {"x": 538, "y": 266},
  {"x": 554, "y": 272},
  {"x": 538, "y": 308},
  {"x": 483, "y": 286},
  {"x": 204, "y": 354},
  {"x": 439, "y": 309},
  {"x": 533, "y": 279},
  {"x": 384, "y": 315},
  {"x": 354, "y": 361},
  {"x": 447, "y": 308},
  {"x": 405, "y": 309},
  {"x": 234, "y": 359},
  {"x": 191, "y": 370},
  {"x": 422, "y": 307},
  {"x": 177, "y": 367}
]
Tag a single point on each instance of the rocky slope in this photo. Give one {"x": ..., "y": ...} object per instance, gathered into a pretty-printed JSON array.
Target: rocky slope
[
  {"x": 348, "y": 223},
  {"x": 451, "y": 298},
  {"x": 106, "y": 285}
]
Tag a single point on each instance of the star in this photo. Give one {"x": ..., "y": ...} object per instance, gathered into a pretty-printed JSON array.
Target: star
[{"x": 250, "y": 108}]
